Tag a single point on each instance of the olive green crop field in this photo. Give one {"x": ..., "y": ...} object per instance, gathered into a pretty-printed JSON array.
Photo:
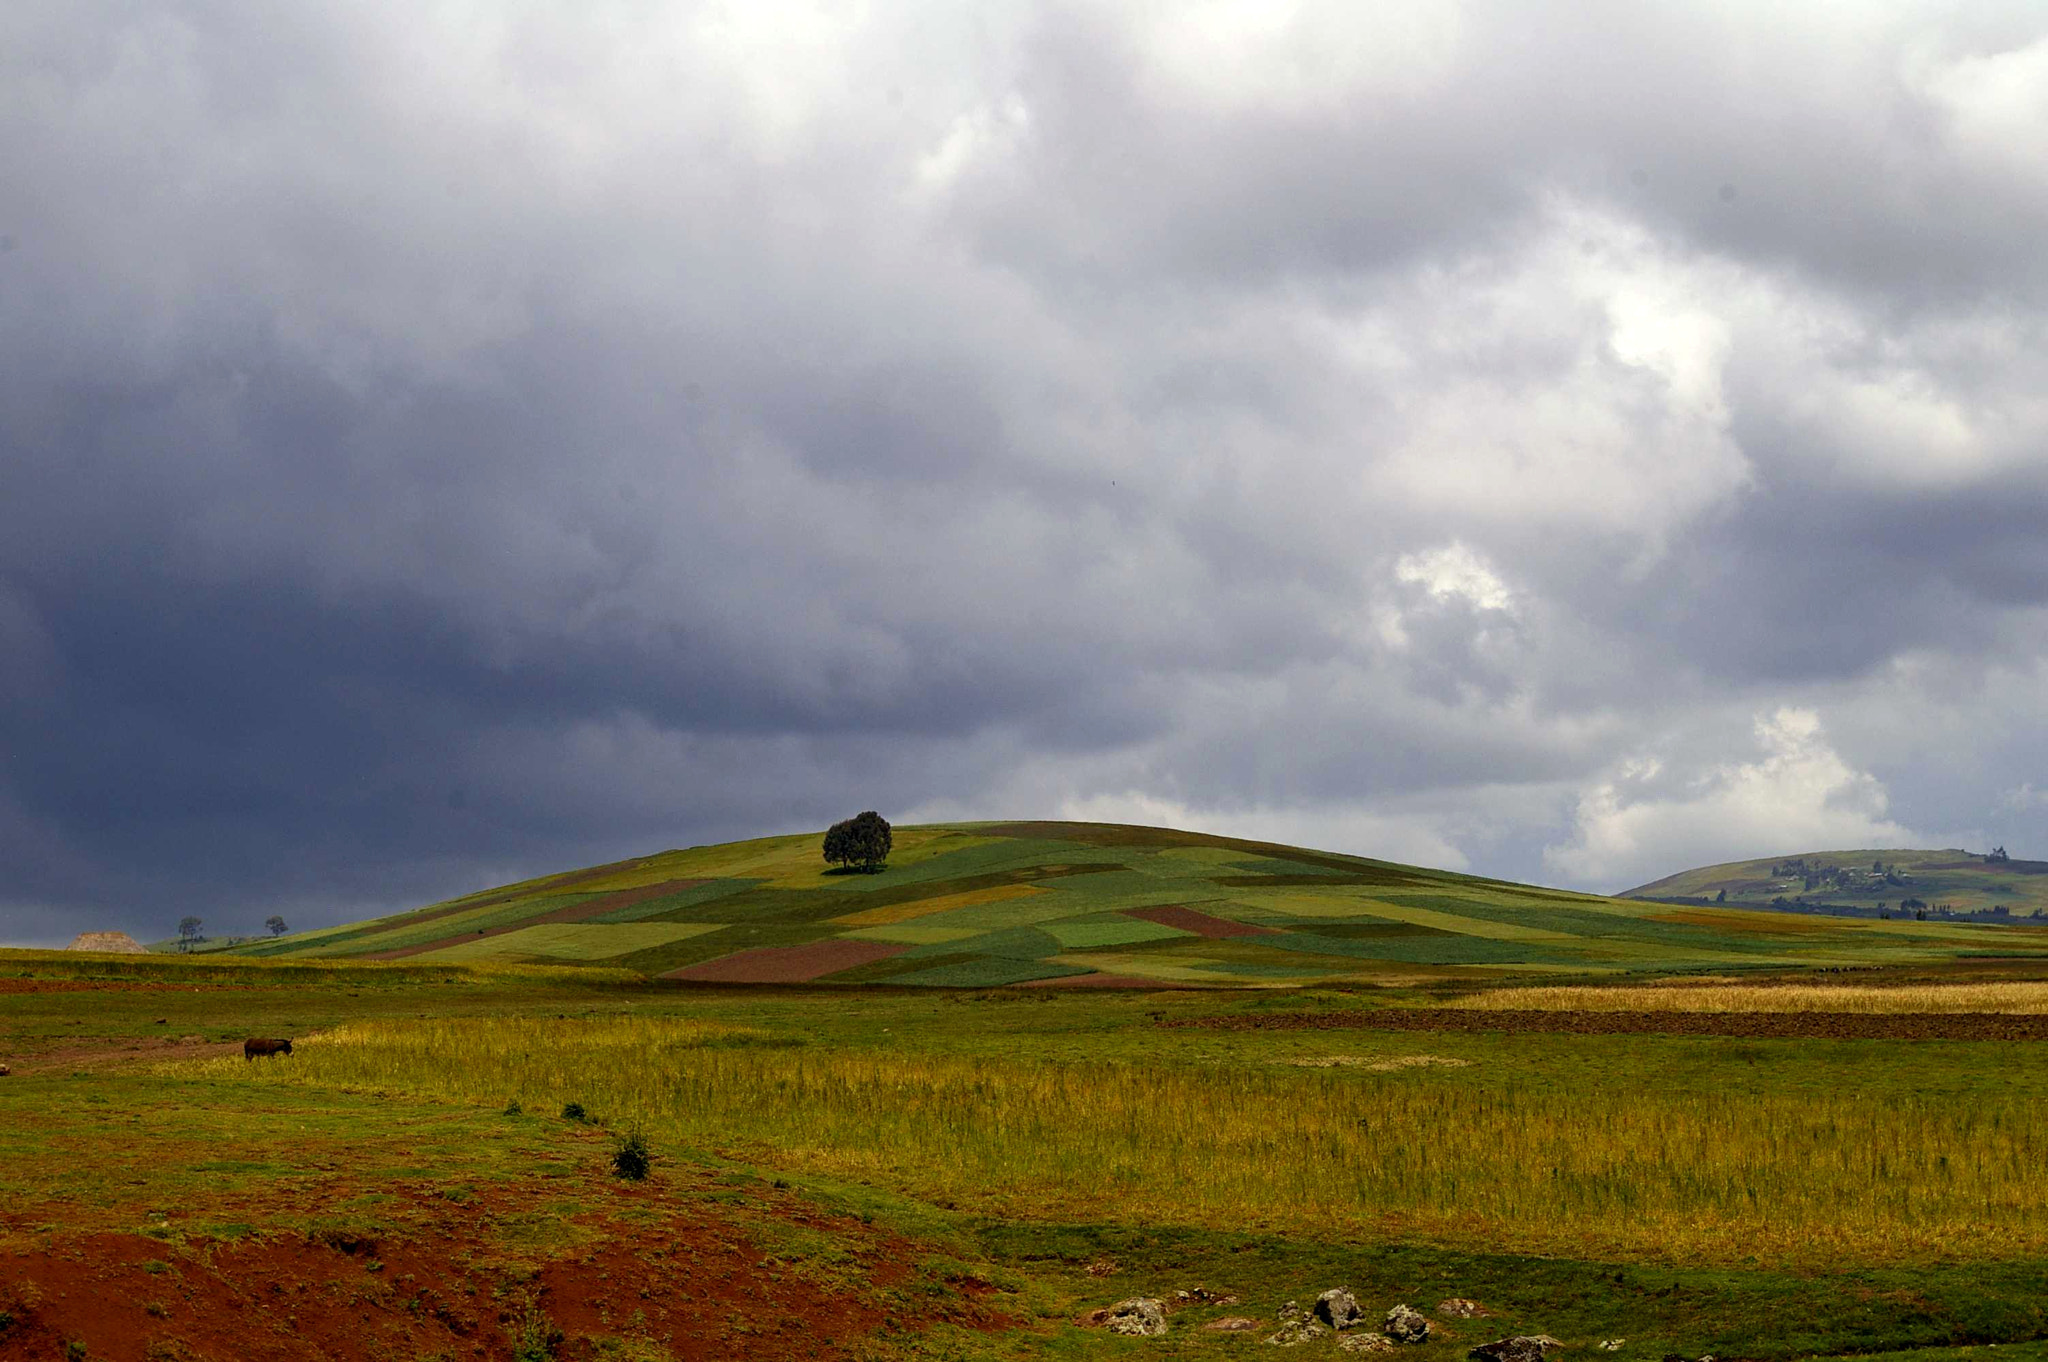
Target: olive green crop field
[{"x": 924, "y": 1172}]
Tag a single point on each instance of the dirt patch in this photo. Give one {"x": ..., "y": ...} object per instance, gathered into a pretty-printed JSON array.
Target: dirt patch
[
  {"x": 788, "y": 964},
  {"x": 117, "y": 1050},
  {"x": 654, "y": 1267},
  {"x": 115, "y": 986},
  {"x": 575, "y": 912},
  {"x": 1201, "y": 924},
  {"x": 1817, "y": 1025}
]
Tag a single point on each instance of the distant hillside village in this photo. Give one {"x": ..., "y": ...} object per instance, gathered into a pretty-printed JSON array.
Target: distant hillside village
[
  {"x": 1964, "y": 889},
  {"x": 1816, "y": 878}
]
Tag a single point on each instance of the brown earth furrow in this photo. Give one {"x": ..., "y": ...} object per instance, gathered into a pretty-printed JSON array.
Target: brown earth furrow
[
  {"x": 575, "y": 912},
  {"x": 1813, "y": 1025}
]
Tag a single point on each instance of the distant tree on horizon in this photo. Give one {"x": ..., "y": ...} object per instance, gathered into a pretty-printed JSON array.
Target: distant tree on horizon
[
  {"x": 276, "y": 925},
  {"x": 862, "y": 841},
  {"x": 188, "y": 932}
]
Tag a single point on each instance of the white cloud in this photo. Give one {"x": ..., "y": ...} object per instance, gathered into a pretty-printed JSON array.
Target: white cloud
[
  {"x": 1455, "y": 571},
  {"x": 1646, "y": 821},
  {"x": 2024, "y": 798}
]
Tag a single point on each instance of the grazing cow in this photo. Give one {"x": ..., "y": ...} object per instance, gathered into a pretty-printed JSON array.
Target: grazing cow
[{"x": 253, "y": 1047}]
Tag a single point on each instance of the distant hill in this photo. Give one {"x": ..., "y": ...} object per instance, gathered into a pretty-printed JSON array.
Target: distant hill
[
  {"x": 1949, "y": 885},
  {"x": 1090, "y": 905}
]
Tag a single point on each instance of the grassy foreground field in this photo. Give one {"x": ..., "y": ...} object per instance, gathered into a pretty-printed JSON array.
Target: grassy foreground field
[{"x": 930, "y": 1173}]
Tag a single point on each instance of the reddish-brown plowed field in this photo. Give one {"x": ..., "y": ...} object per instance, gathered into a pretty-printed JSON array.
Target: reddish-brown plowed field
[
  {"x": 642, "y": 1264},
  {"x": 787, "y": 964},
  {"x": 1201, "y": 924},
  {"x": 1817, "y": 1025},
  {"x": 575, "y": 912}
]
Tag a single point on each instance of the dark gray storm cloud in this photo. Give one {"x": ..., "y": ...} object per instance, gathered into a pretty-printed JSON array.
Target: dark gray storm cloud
[{"x": 442, "y": 444}]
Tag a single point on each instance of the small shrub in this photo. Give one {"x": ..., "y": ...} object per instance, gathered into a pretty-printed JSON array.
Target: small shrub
[
  {"x": 573, "y": 1111},
  {"x": 512, "y": 1108},
  {"x": 631, "y": 1159},
  {"x": 536, "y": 1337},
  {"x": 74, "y": 1351}
]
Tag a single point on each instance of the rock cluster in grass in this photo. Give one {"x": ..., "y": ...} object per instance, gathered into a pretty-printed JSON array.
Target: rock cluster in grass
[
  {"x": 1404, "y": 1324},
  {"x": 1139, "y": 1316},
  {"x": 1335, "y": 1312},
  {"x": 1297, "y": 1326}
]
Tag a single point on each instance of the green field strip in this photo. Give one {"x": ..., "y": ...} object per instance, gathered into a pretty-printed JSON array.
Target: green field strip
[
  {"x": 470, "y": 921},
  {"x": 982, "y": 856},
  {"x": 985, "y": 973},
  {"x": 1132, "y": 887},
  {"x": 1024, "y": 912},
  {"x": 575, "y": 940},
  {"x": 1166, "y": 969},
  {"x": 1428, "y": 950},
  {"x": 1375, "y": 930},
  {"x": 1322, "y": 905},
  {"x": 1094, "y": 933},
  {"x": 888, "y": 971},
  {"x": 678, "y": 902},
  {"x": 1015, "y": 943},
  {"x": 1574, "y": 919},
  {"x": 912, "y": 934},
  {"x": 761, "y": 904},
  {"x": 725, "y": 938},
  {"x": 999, "y": 860}
]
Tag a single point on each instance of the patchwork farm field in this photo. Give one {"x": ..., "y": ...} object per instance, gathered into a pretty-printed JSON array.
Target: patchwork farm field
[
  {"x": 1649, "y": 1161},
  {"x": 1061, "y": 905}
]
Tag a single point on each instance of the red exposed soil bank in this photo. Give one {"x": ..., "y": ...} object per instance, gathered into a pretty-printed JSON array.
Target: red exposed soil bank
[
  {"x": 1816, "y": 1025},
  {"x": 692, "y": 1284}
]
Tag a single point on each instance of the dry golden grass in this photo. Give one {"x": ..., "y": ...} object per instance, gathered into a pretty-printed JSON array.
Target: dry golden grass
[
  {"x": 2014, "y": 997},
  {"x": 1702, "y": 1174}
]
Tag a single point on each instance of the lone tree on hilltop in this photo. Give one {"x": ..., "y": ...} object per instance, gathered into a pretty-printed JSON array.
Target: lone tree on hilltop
[
  {"x": 861, "y": 842},
  {"x": 188, "y": 932},
  {"x": 276, "y": 925}
]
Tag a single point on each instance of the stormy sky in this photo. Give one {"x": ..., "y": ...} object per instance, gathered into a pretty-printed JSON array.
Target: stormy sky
[{"x": 442, "y": 443}]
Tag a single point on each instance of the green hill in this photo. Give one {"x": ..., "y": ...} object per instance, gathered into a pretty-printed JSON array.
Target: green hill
[
  {"x": 1944, "y": 885},
  {"x": 1093, "y": 905}
]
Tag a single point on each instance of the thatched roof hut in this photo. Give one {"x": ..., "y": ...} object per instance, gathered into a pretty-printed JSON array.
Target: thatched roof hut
[{"x": 118, "y": 943}]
